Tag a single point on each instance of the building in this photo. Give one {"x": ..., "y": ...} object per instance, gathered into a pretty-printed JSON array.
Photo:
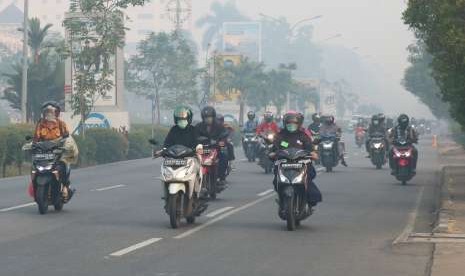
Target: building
[
  {"x": 10, "y": 37},
  {"x": 154, "y": 16}
]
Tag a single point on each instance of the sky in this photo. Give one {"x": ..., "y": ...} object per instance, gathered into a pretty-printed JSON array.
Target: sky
[{"x": 374, "y": 27}]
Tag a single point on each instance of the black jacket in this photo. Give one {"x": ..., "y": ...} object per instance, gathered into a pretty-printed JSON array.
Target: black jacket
[
  {"x": 213, "y": 132},
  {"x": 186, "y": 137},
  {"x": 285, "y": 139}
]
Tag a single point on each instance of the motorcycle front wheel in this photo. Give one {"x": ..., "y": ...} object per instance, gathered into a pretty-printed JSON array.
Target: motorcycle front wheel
[
  {"x": 290, "y": 210},
  {"x": 174, "y": 208},
  {"x": 42, "y": 199}
]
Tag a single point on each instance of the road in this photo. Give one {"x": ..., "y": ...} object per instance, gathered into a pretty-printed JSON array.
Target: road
[{"x": 116, "y": 226}]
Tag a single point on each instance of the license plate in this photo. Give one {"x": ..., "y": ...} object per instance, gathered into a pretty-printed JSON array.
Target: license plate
[
  {"x": 207, "y": 151},
  {"x": 175, "y": 162},
  {"x": 292, "y": 166},
  {"x": 43, "y": 156}
]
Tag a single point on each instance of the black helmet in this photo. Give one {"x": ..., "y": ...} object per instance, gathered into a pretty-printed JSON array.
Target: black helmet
[
  {"x": 182, "y": 113},
  {"x": 251, "y": 115},
  {"x": 375, "y": 120},
  {"x": 403, "y": 120},
  {"x": 53, "y": 104},
  {"x": 381, "y": 117},
  {"x": 316, "y": 118},
  {"x": 208, "y": 111},
  {"x": 293, "y": 116},
  {"x": 268, "y": 116}
]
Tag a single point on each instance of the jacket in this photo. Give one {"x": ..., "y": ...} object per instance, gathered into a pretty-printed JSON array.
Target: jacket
[
  {"x": 408, "y": 133},
  {"x": 178, "y": 136},
  {"x": 250, "y": 126},
  {"x": 213, "y": 132},
  {"x": 265, "y": 127},
  {"x": 298, "y": 139},
  {"x": 47, "y": 130}
]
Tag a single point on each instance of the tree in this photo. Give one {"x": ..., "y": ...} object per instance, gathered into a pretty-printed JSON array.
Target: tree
[
  {"x": 165, "y": 71},
  {"x": 419, "y": 81},
  {"x": 45, "y": 74},
  {"x": 37, "y": 36},
  {"x": 244, "y": 78},
  {"x": 213, "y": 22},
  {"x": 279, "y": 82},
  {"x": 440, "y": 26},
  {"x": 96, "y": 30}
]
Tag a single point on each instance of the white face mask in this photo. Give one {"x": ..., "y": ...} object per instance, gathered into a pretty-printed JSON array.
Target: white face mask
[{"x": 50, "y": 117}]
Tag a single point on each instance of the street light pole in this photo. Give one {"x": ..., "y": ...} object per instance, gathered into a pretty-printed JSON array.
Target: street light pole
[{"x": 25, "y": 63}]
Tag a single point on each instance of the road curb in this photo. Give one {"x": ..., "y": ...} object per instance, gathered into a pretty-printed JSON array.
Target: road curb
[{"x": 445, "y": 213}]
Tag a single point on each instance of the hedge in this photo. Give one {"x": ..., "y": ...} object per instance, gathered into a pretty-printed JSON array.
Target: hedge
[{"x": 12, "y": 138}]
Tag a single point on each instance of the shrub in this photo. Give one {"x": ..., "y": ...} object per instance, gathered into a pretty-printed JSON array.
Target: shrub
[{"x": 111, "y": 146}]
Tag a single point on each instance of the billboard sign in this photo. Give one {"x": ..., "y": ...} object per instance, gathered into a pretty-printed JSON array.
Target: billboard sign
[{"x": 243, "y": 38}]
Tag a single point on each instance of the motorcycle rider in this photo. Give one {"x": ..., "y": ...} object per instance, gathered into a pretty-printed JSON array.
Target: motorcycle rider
[
  {"x": 330, "y": 127},
  {"x": 251, "y": 124},
  {"x": 314, "y": 127},
  {"x": 183, "y": 132},
  {"x": 268, "y": 124},
  {"x": 377, "y": 128},
  {"x": 230, "y": 130},
  {"x": 213, "y": 130},
  {"x": 404, "y": 130},
  {"x": 293, "y": 135},
  {"x": 50, "y": 127}
]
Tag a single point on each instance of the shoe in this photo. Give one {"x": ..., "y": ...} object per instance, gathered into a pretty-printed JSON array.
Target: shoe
[
  {"x": 65, "y": 194},
  {"x": 343, "y": 162}
]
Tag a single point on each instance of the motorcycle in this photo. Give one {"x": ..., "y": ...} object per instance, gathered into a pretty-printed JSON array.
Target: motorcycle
[
  {"x": 329, "y": 152},
  {"x": 359, "y": 137},
  {"x": 265, "y": 148},
  {"x": 209, "y": 161},
  {"x": 292, "y": 165},
  {"x": 45, "y": 176},
  {"x": 402, "y": 153},
  {"x": 250, "y": 142},
  {"x": 378, "y": 151},
  {"x": 182, "y": 184}
]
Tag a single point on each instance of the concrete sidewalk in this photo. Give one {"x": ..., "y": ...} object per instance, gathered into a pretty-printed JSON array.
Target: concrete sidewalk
[{"x": 449, "y": 253}]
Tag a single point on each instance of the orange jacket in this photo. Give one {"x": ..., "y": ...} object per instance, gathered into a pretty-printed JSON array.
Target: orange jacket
[{"x": 46, "y": 130}]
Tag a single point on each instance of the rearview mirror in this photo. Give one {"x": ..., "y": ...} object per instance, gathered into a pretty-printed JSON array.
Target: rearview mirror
[
  {"x": 28, "y": 138},
  {"x": 153, "y": 142}
]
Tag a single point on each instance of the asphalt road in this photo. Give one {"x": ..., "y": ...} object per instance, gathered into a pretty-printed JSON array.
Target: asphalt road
[{"x": 116, "y": 226}]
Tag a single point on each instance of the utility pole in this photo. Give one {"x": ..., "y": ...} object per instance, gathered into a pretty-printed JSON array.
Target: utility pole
[{"x": 25, "y": 63}]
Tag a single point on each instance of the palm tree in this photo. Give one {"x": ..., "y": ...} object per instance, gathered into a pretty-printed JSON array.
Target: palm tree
[
  {"x": 36, "y": 37},
  {"x": 213, "y": 22}
]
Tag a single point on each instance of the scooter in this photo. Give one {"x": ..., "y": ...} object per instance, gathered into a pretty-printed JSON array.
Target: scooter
[
  {"x": 250, "y": 142},
  {"x": 292, "y": 165},
  {"x": 402, "y": 153},
  {"x": 182, "y": 184},
  {"x": 359, "y": 136},
  {"x": 328, "y": 152},
  {"x": 265, "y": 147},
  {"x": 378, "y": 151}
]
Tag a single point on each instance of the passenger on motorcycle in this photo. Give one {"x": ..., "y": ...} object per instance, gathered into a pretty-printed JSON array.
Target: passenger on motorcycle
[
  {"x": 404, "y": 131},
  {"x": 376, "y": 129},
  {"x": 213, "y": 130},
  {"x": 293, "y": 136},
  {"x": 49, "y": 128},
  {"x": 268, "y": 125},
  {"x": 329, "y": 127}
]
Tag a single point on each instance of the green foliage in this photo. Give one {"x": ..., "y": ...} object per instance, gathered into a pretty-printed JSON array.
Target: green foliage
[
  {"x": 96, "y": 32},
  {"x": 111, "y": 146},
  {"x": 440, "y": 26},
  {"x": 139, "y": 147},
  {"x": 419, "y": 81},
  {"x": 12, "y": 139},
  {"x": 45, "y": 74},
  {"x": 87, "y": 151},
  {"x": 165, "y": 71}
]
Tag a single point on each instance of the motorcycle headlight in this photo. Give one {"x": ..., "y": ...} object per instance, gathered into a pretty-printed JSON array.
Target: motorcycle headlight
[
  {"x": 270, "y": 137},
  {"x": 408, "y": 153},
  {"x": 44, "y": 168},
  {"x": 378, "y": 145},
  {"x": 327, "y": 146},
  {"x": 254, "y": 139},
  {"x": 299, "y": 178},
  {"x": 283, "y": 178}
]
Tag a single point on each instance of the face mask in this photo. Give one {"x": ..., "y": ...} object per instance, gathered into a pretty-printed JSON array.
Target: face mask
[
  {"x": 209, "y": 120},
  {"x": 183, "y": 124},
  {"x": 292, "y": 127},
  {"x": 50, "y": 117}
]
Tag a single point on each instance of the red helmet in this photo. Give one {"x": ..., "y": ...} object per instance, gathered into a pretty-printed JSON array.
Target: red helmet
[{"x": 293, "y": 117}]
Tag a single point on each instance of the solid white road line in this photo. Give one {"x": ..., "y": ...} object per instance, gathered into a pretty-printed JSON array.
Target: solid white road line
[
  {"x": 109, "y": 188},
  {"x": 219, "y": 211},
  {"x": 134, "y": 247},
  {"x": 221, "y": 217},
  {"x": 266, "y": 192},
  {"x": 403, "y": 237},
  {"x": 17, "y": 207}
]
